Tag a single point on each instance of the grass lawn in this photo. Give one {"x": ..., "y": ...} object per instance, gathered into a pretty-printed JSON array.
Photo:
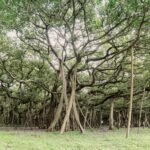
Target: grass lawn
[{"x": 91, "y": 140}]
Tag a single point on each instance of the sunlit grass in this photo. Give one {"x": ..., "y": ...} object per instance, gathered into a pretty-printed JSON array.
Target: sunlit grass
[{"x": 96, "y": 140}]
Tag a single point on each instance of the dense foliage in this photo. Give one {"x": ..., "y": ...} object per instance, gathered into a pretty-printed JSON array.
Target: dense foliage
[{"x": 63, "y": 63}]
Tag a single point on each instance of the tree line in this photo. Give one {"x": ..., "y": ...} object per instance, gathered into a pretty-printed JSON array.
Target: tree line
[{"x": 70, "y": 64}]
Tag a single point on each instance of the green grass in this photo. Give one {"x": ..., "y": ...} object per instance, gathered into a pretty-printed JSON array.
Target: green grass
[{"x": 95, "y": 140}]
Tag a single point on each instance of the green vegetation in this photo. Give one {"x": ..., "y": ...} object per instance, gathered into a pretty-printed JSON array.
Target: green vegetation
[
  {"x": 91, "y": 140},
  {"x": 69, "y": 65}
]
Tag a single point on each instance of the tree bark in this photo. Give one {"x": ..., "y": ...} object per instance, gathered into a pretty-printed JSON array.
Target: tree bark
[
  {"x": 141, "y": 107},
  {"x": 57, "y": 114},
  {"x": 146, "y": 120},
  {"x": 85, "y": 118},
  {"x": 131, "y": 96},
  {"x": 60, "y": 105},
  {"x": 77, "y": 117},
  {"x": 119, "y": 119},
  {"x": 101, "y": 117},
  {"x": 70, "y": 104},
  {"x": 111, "y": 117}
]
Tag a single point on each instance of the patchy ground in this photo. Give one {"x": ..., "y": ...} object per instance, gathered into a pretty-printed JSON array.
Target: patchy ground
[{"x": 91, "y": 140}]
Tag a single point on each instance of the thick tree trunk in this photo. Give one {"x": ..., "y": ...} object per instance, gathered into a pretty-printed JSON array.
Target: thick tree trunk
[
  {"x": 71, "y": 101},
  {"x": 131, "y": 97},
  {"x": 60, "y": 105},
  {"x": 111, "y": 116},
  {"x": 71, "y": 105},
  {"x": 57, "y": 114}
]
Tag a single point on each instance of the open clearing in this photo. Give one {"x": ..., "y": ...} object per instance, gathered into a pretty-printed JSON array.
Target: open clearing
[{"x": 91, "y": 140}]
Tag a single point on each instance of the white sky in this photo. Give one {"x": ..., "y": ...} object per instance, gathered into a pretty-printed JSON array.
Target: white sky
[{"x": 12, "y": 34}]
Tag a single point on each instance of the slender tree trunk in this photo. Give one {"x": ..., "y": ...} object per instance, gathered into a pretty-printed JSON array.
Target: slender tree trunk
[
  {"x": 85, "y": 118},
  {"x": 111, "y": 117},
  {"x": 77, "y": 117},
  {"x": 132, "y": 118},
  {"x": 101, "y": 117},
  {"x": 131, "y": 96},
  {"x": 44, "y": 114},
  {"x": 73, "y": 125},
  {"x": 141, "y": 106},
  {"x": 146, "y": 120},
  {"x": 119, "y": 119},
  {"x": 90, "y": 117}
]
